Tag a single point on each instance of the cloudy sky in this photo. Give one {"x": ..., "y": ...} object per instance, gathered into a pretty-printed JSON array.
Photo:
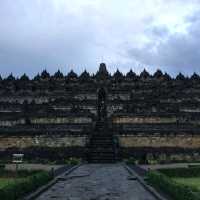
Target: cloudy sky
[{"x": 65, "y": 34}]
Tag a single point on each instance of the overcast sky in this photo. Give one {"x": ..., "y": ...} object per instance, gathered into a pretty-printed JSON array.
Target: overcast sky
[{"x": 79, "y": 34}]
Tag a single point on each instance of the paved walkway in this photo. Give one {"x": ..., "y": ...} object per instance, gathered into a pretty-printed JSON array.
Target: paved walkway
[{"x": 97, "y": 182}]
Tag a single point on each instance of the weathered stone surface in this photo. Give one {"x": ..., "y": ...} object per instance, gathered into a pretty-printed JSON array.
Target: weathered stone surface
[
  {"x": 184, "y": 141},
  {"x": 97, "y": 182},
  {"x": 59, "y": 120},
  {"x": 141, "y": 120},
  {"x": 154, "y": 111},
  {"x": 8, "y": 123},
  {"x": 41, "y": 140}
]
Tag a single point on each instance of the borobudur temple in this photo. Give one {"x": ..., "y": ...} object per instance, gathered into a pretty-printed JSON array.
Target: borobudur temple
[{"x": 101, "y": 117}]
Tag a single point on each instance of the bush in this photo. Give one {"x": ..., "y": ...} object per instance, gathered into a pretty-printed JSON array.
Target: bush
[
  {"x": 131, "y": 161},
  {"x": 177, "y": 191},
  {"x": 20, "y": 173},
  {"x": 72, "y": 161},
  {"x": 2, "y": 167},
  {"x": 181, "y": 172},
  {"x": 23, "y": 186}
]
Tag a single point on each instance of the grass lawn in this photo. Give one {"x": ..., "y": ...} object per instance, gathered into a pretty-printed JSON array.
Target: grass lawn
[
  {"x": 12, "y": 187},
  {"x": 5, "y": 181},
  {"x": 7, "y": 177},
  {"x": 194, "y": 181}
]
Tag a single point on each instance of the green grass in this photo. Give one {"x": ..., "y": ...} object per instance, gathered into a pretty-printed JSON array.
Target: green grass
[
  {"x": 12, "y": 188},
  {"x": 8, "y": 177},
  {"x": 5, "y": 181},
  {"x": 193, "y": 181},
  {"x": 176, "y": 190}
]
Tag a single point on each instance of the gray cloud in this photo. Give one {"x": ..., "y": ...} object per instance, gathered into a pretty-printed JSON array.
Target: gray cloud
[
  {"x": 157, "y": 31},
  {"x": 178, "y": 52},
  {"x": 79, "y": 34}
]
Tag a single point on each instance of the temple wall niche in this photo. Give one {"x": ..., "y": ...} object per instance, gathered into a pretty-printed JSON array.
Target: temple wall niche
[
  {"x": 41, "y": 141},
  {"x": 139, "y": 120},
  {"x": 182, "y": 141}
]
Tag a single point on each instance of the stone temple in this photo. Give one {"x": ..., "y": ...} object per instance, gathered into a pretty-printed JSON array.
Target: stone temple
[{"x": 101, "y": 117}]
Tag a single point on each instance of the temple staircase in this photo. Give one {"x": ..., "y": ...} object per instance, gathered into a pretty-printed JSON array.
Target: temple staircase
[{"x": 102, "y": 145}]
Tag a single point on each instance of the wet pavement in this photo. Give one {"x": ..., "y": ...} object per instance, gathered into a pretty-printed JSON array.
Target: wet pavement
[{"x": 97, "y": 182}]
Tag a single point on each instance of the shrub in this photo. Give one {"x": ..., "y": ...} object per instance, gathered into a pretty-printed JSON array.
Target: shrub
[
  {"x": 20, "y": 187},
  {"x": 72, "y": 161},
  {"x": 177, "y": 191},
  {"x": 20, "y": 173},
  {"x": 181, "y": 172},
  {"x": 2, "y": 167},
  {"x": 131, "y": 161}
]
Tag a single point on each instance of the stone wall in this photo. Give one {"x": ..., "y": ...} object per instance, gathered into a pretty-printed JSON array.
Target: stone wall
[
  {"x": 8, "y": 123},
  {"x": 157, "y": 141},
  {"x": 54, "y": 141},
  {"x": 84, "y": 96},
  {"x": 128, "y": 141},
  {"x": 141, "y": 120},
  {"x": 47, "y": 120},
  {"x": 20, "y": 99},
  {"x": 60, "y": 120}
]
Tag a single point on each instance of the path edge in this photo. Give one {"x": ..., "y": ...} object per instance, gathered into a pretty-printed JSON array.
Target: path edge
[
  {"x": 43, "y": 188},
  {"x": 144, "y": 184}
]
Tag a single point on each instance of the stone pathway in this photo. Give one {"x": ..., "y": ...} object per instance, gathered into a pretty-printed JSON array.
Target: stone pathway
[{"x": 97, "y": 182}]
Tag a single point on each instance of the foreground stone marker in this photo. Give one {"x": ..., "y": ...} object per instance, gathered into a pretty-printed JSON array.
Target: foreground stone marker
[{"x": 17, "y": 159}]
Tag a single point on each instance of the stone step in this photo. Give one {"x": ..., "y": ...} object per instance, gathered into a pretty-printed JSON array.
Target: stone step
[
  {"x": 102, "y": 142},
  {"x": 101, "y": 147},
  {"x": 107, "y": 153},
  {"x": 102, "y": 161},
  {"x": 109, "y": 142},
  {"x": 101, "y": 139},
  {"x": 98, "y": 157},
  {"x": 102, "y": 136},
  {"x": 102, "y": 152}
]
